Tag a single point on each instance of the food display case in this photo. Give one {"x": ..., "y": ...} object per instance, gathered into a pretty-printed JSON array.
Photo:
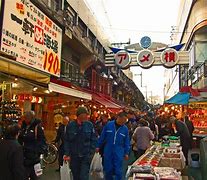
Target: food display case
[
  {"x": 198, "y": 115},
  {"x": 159, "y": 162}
]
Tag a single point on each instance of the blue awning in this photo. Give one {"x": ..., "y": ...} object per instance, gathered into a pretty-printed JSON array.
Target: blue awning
[{"x": 179, "y": 98}]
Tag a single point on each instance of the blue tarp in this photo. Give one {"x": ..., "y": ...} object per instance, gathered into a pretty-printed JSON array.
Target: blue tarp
[{"x": 179, "y": 98}]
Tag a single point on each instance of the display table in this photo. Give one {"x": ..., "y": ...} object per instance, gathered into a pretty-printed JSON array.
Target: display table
[{"x": 159, "y": 163}]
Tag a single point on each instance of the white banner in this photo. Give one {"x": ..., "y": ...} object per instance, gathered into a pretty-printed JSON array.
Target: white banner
[{"x": 30, "y": 36}]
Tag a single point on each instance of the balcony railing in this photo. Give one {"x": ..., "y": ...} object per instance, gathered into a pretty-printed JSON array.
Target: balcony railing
[{"x": 196, "y": 73}]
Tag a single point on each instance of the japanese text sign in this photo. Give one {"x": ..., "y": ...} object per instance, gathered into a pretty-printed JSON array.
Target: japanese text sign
[
  {"x": 169, "y": 57},
  {"x": 30, "y": 36},
  {"x": 145, "y": 58},
  {"x": 122, "y": 59}
]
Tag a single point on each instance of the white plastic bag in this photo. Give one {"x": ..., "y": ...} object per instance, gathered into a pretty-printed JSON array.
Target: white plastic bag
[
  {"x": 65, "y": 172},
  {"x": 38, "y": 169},
  {"x": 96, "y": 163}
]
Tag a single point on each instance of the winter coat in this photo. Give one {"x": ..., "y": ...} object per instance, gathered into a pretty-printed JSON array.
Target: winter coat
[
  {"x": 80, "y": 140},
  {"x": 11, "y": 158},
  {"x": 182, "y": 131},
  {"x": 34, "y": 143}
]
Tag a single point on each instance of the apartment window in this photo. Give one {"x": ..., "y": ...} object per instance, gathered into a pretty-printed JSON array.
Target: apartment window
[
  {"x": 55, "y": 5},
  {"x": 200, "y": 51},
  {"x": 70, "y": 71}
]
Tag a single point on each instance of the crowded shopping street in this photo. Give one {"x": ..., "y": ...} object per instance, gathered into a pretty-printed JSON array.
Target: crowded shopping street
[{"x": 103, "y": 90}]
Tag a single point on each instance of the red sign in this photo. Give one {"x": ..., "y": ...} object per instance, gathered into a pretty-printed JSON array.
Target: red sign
[
  {"x": 145, "y": 58},
  {"x": 169, "y": 57},
  {"x": 122, "y": 59}
]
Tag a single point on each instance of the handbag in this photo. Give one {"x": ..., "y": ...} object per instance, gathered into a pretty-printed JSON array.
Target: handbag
[{"x": 65, "y": 172}]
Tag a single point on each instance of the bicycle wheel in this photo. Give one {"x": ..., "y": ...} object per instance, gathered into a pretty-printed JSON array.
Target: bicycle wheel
[{"x": 52, "y": 154}]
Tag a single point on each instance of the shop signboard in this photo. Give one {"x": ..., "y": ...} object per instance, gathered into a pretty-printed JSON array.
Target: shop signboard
[
  {"x": 145, "y": 58},
  {"x": 30, "y": 36},
  {"x": 122, "y": 59},
  {"x": 169, "y": 57}
]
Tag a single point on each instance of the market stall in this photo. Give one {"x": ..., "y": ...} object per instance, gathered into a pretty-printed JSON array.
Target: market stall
[{"x": 161, "y": 161}]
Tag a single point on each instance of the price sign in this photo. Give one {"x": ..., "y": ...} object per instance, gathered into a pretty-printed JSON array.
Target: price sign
[
  {"x": 51, "y": 63},
  {"x": 36, "y": 41},
  {"x": 122, "y": 59}
]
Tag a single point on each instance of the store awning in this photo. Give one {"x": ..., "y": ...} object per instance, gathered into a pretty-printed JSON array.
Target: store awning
[
  {"x": 12, "y": 67},
  {"x": 105, "y": 102},
  {"x": 69, "y": 91},
  {"x": 179, "y": 98}
]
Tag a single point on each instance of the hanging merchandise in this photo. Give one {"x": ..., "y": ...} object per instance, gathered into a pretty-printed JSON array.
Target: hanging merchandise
[{"x": 9, "y": 113}]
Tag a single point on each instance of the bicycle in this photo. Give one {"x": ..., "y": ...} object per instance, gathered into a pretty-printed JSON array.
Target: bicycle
[{"x": 52, "y": 154}]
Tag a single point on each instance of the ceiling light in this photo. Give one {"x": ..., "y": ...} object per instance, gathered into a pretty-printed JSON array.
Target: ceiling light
[
  {"x": 47, "y": 91},
  {"x": 35, "y": 89}
]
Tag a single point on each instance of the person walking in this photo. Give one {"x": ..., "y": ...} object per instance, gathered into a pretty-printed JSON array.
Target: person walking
[
  {"x": 183, "y": 132},
  {"x": 115, "y": 137},
  {"x": 33, "y": 140},
  {"x": 11, "y": 158},
  {"x": 80, "y": 143},
  {"x": 190, "y": 127},
  {"x": 60, "y": 138},
  {"x": 142, "y": 137}
]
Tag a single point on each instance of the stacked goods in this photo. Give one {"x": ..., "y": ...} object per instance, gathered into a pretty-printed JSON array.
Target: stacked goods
[
  {"x": 172, "y": 152},
  {"x": 167, "y": 173},
  {"x": 138, "y": 176},
  {"x": 151, "y": 157}
]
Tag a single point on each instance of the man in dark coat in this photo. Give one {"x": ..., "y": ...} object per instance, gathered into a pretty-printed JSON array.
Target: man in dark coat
[
  {"x": 33, "y": 140},
  {"x": 80, "y": 143},
  {"x": 60, "y": 139},
  {"x": 190, "y": 127},
  {"x": 11, "y": 155},
  {"x": 185, "y": 139}
]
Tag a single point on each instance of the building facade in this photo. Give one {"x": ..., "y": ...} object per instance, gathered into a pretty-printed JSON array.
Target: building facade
[
  {"x": 192, "y": 28},
  {"x": 60, "y": 62}
]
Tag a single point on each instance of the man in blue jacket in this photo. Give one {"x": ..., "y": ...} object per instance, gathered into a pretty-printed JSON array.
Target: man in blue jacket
[
  {"x": 80, "y": 143},
  {"x": 115, "y": 138}
]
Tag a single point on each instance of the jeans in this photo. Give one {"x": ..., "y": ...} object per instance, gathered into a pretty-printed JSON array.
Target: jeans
[{"x": 80, "y": 167}]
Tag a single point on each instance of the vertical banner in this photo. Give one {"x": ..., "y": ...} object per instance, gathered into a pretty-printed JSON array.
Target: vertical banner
[{"x": 30, "y": 36}]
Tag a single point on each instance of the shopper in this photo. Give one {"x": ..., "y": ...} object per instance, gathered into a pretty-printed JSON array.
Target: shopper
[
  {"x": 60, "y": 138},
  {"x": 115, "y": 136},
  {"x": 100, "y": 124},
  {"x": 33, "y": 140},
  {"x": 11, "y": 155},
  {"x": 190, "y": 128},
  {"x": 80, "y": 143},
  {"x": 142, "y": 136},
  {"x": 183, "y": 132}
]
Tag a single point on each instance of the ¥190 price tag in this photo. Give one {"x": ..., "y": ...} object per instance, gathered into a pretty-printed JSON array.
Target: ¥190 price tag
[{"x": 51, "y": 63}]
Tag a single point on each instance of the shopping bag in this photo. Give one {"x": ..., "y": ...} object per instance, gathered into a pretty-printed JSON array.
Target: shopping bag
[
  {"x": 38, "y": 170},
  {"x": 96, "y": 176},
  {"x": 65, "y": 172},
  {"x": 96, "y": 163}
]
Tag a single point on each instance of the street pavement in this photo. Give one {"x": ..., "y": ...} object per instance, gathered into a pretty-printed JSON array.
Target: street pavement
[{"x": 50, "y": 173}]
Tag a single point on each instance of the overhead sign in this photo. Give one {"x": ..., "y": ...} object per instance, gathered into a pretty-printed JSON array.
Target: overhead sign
[
  {"x": 145, "y": 58},
  {"x": 169, "y": 57},
  {"x": 122, "y": 59},
  {"x": 30, "y": 36}
]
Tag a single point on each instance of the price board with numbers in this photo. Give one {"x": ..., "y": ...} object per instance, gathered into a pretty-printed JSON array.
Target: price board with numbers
[{"x": 36, "y": 40}]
